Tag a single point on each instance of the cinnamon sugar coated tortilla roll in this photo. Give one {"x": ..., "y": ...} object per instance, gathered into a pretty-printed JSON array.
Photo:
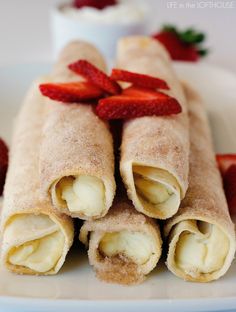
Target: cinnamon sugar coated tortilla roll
[
  {"x": 35, "y": 238},
  {"x": 201, "y": 235},
  {"x": 124, "y": 246},
  {"x": 155, "y": 150},
  {"x": 76, "y": 155}
]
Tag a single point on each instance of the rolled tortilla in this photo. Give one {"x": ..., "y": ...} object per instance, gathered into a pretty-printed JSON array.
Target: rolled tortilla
[
  {"x": 76, "y": 155},
  {"x": 155, "y": 150},
  {"x": 124, "y": 246},
  {"x": 35, "y": 238},
  {"x": 201, "y": 235}
]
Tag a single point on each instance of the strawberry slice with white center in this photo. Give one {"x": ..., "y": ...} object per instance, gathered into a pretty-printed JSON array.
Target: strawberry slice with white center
[{"x": 139, "y": 79}]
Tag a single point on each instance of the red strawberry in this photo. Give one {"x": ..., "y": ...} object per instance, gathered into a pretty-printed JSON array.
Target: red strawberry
[
  {"x": 98, "y": 4},
  {"x": 3, "y": 164},
  {"x": 177, "y": 49},
  {"x": 225, "y": 161},
  {"x": 139, "y": 79},
  {"x": 137, "y": 102},
  {"x": 230, "y": 188},
  {"x": 183, "y": 46},
  {"x": 72, "y": 92},
  {"x": 141, "y": 92},
  {"x": 96, "y": 76}
]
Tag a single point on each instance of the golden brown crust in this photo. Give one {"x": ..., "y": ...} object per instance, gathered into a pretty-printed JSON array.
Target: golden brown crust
[
  {"x": 159, "y": 142},
  {"x": 205, "y": 199},
  {"x": 75, "y": 141},
  {"x": 21, "y": 193},
  {"x": 119, "y": 269}
]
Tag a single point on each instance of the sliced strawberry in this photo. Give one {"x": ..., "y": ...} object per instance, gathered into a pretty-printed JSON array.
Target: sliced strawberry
[
  {"x": 230, "y": 188},
  {"x": 96, "y": 76},
  {"x": 98, "y": 4},
  {"x": 225, "y": 161},
  {"x": 137, "y": 102},
  {"x": 3, "y": 164},
  {"x": 72, "y": 92},
  {"x": 142, "y": 92},
  {"x": 139, "y": 79}
]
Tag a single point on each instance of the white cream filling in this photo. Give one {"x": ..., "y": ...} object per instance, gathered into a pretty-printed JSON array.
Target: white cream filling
[
  {"x": 201, "y": 249},
  {"x": 136, "y": 246},
  {"x": 84, "y": 194},
  {"x": 156, "y": 189},
  {"x": 40, "y": 255},
  {"x": 42, "y": 242},
  {"x": 154, "y": 192}
]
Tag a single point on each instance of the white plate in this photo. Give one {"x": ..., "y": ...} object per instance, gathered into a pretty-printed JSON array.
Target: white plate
[{"x": 76, "y": 287}]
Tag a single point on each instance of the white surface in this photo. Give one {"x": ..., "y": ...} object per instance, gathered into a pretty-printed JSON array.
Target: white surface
[
  {"x": 25, "y": 36},
  {"x": 76, "y": 287}
]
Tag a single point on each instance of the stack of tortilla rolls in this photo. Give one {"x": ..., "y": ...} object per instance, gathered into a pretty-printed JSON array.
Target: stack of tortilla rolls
[
  {"x": 36, "y": 239},
  {"x": 201, "y": 235},
  {"x": 62, "y": 166},
  {"x": 154, "y": 161},
  {"x": 76, "y": 154}
]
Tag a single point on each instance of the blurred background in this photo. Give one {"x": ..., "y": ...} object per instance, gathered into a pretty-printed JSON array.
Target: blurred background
[{"x": 25, "y": 27}]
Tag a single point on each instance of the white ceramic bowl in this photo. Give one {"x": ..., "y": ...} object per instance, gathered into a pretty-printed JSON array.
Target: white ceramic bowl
[{"x": 104, "y": 35}]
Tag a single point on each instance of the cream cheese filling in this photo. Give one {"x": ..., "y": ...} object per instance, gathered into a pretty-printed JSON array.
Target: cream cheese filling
[
  {"x": 137, "y": 246},
  {"x": 41, "y": 242},
  {"x": 84, "y": 194},
  {"x": 201, "y": 248},
  {"x": 156, "y": 189}
]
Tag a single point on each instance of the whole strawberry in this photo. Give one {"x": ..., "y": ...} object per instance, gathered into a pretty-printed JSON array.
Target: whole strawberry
[
  {"x": 182, "y": 45},
  {"x": 97, "y": 4},
  {"x": 3, "y": 164}
]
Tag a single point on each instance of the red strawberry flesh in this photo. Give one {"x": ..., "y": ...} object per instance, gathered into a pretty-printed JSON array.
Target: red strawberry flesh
[
  {"x": 3, "y": 164},
  {"x": 97, "y": 4},
  {"x": 137, "y": 102},
  {"x": 230, "y": 188},
  {"x": 96, "y": 76},
  {"x": 139, "y": 79},
  {"x": 73, "y": 92},
  {"x": 225, "y": 161},
  {"x": 177, "y": 49}
]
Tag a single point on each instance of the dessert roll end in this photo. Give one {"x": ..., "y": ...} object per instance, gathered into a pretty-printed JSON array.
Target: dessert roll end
[
  {"x": 193, "y": 247},
  {"x": 36, "y": 244},
  {"x": 124, "y": 246},
  {"x": 154, "y": 192},
  {"x": 83, "y": 195}
]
